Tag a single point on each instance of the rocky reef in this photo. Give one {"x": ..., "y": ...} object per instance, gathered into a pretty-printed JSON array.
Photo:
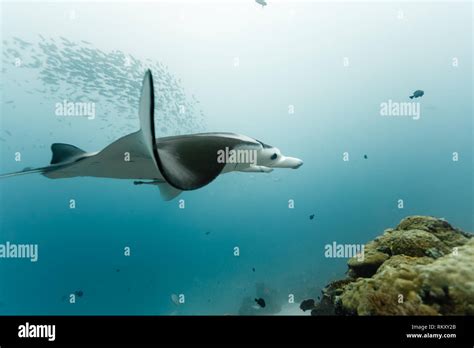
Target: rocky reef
[{"x": 422, "y": 267}]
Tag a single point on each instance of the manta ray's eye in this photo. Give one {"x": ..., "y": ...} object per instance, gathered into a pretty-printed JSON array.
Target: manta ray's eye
[{"x": 274, "y": 156}]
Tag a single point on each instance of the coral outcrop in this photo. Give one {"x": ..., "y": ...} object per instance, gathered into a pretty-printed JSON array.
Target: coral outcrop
[{"x": 422, "y": 267}]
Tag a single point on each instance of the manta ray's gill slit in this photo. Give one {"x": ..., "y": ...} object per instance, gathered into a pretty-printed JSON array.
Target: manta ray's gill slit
[{"x": 59, "y": 69}]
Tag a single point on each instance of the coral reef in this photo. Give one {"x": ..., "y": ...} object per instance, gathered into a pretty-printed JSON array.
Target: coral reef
[{"x": 422, "y": 267}]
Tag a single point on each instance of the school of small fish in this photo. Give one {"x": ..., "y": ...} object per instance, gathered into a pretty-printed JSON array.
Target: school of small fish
[{"x": 59, "y": 69}]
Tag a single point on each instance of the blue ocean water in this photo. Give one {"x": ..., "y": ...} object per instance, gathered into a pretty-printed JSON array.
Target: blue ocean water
[{"x": 240, "y": 68}]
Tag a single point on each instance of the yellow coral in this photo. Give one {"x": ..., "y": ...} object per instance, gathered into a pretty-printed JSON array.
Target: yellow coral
[{"x": 416, "y": 285}]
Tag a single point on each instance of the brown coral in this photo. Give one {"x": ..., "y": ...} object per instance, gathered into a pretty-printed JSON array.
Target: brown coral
[{"x": 423, "y": 267}]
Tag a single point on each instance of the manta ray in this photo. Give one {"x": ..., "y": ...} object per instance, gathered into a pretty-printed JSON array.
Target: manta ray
[{"x": 174, "y": 163}]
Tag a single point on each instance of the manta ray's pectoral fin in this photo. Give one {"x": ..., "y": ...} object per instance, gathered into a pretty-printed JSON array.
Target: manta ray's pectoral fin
[
  {"x": 167, "y": 191},
  {"x": 134, "y": 154},
  {"x": 191, "y": 162},
  {"x": 256, "y": 169}
]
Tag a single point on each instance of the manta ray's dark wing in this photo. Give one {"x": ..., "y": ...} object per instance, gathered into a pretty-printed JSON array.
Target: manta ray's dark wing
[{"x": 191, "y": 161}]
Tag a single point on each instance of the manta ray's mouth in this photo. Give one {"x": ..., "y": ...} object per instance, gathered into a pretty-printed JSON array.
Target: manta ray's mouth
[
  {"x": 298, "y": 165},
  {"x": 289, "y": 162}
]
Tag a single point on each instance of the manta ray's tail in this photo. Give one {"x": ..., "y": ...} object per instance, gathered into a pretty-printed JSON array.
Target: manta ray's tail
[
  {"x": 23, "y": 172},
  {"x": 63, "y": 154}
]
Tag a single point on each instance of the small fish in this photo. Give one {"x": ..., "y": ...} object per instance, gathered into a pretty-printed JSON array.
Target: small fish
[
  {"x": 208, "y": 232},
  {"x": 260, "y": 302},
  {"x": 253, "y": 269},
  {"x": 79, "y": 293},
  {"x": 311, "y": 217},
  {"x": 261, "y": 2},
  {"x": 307, "y": 304},
  {"x": 8, "y": 132},
  {"x": 417, "y": 94},
  {"x": 365, "y": 156}
]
